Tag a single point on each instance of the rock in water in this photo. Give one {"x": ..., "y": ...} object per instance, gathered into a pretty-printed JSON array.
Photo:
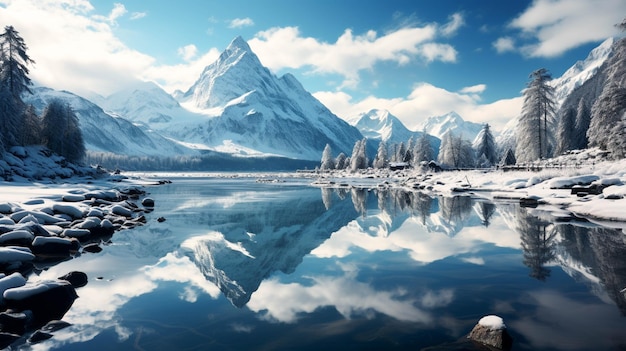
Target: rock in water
[{"x": 491, "y": 331}]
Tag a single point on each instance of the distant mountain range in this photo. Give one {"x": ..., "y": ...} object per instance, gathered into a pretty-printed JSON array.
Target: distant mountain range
[{"x": 239, "y": 110}]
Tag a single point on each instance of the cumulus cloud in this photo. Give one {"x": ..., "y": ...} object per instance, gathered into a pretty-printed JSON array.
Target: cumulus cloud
[
  {"x": 560, "y": 25},
  {"x": 351, "y": 53},
  {"x": 426, "y": 100},
  {"x": 456, "y": 21},
  {"x": 188, "y": 52},
  {"x": 118, "y": 11},
  {"x": 241, "y": 22},
  {"x": 504, "y": 44}
]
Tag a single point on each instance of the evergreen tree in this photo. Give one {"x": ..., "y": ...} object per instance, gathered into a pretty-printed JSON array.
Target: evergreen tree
[
  {"x": 509, "y": 158},
  {"x": 565, "y": 131},
  {"x": 13, "y": 58},
  {"x": 606, "y": 113},
  {"x": 456, "y": 152},
  {"x": 534, "y": 136},
  {"x": 358, "y": 160},
  {"x": 340, "y": 161},
  {"x": 328, "y": 162},
  {"x": 31, "y": 130},
  {"x": 423, "y": 150},
  {"x": 400, "y": 152},
  {"x": 485, "y": 147},
  {"x": 13, "y": 82},
  {"x": 583, "y": 118},
  {"x": 61, "y": 132},
  {"x": 380, "y": 161}
]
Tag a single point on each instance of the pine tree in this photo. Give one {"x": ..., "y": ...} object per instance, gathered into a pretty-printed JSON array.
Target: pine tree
[
  {"x": 13, "y": 58},
  {"x": 400, "y": 152},
  {"x": 31, "y": 130},
  {"x": 340, "y": 161},
  {"x": 13, "y": 82},
  {"x": 328, "y": 162},
  {"x": 423, "y": 150},
  {"x": 358, "y": 160},
  {"x": 485, "y": 147},
  {"x": 61, "y": 132},
  {"x": 456, "y": 152},
  {"x": 534, "y": 133},
  {"x": 583, "y": 119},
  {"x": 606, "y": 113},
  {"x": 380, "y": 161},
  {"x": 565, "y": 131}
]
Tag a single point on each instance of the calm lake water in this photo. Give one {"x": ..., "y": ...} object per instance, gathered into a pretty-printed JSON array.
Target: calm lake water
[{"x": 246, "y": 265}]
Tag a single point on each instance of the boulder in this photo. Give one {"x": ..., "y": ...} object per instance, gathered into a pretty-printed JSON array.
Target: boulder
[
  {"x": 54, "y": 246},
  {"x": 147, "y": 202},
  {"x": 77, "y": 279},
  {"x": 491, "y": 331},
  {"x": 48, "y": 300}
]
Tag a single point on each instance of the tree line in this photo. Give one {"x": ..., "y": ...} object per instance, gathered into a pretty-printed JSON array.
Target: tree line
[
  {"x": 57, "y": 127},
  {"x": 454, "y": 152}
]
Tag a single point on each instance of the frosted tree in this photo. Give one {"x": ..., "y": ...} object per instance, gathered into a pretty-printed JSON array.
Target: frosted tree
[
  {"x": 485, "y": 147},
  {"x": 30, "y": 133},
  {"x": 61, "y": 132},
  {"x": 565, "y": 131},
  {"x": 508, "y": 159},
  {"x": 358, "y": 160},
  {"x": 534, "y": 131},
  {"x": 400, "y": 152},
  {"x": 456, "y": 152},
  {"x": 583, "y": 119},
  {"x": 606, "y": 113},
  {"x": 328, "y": 162},
  {"x": 423, "y": 150},
  {"x": 381, "y": 161},
  {"x": 341, "y": 162}
]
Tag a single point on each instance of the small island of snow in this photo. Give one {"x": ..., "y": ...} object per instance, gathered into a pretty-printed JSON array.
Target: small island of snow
[{"x": 492, "y": 322}]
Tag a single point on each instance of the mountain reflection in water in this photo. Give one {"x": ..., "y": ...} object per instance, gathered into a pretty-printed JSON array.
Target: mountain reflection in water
[{"x": 287, "y": 266}]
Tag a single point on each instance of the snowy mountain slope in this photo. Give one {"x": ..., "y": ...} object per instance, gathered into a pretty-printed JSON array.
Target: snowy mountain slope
[
  {"x": 380, "y": 125},
  {"x": 571, "y": 81},
  {"x": 451, "y": 121},
  {"x": 105, "y": 133},
  {"x": 258, "y": 111},
  {"x": 147, "y": 103}
]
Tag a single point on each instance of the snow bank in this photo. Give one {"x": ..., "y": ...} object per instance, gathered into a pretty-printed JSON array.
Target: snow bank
[
  {"x": 492, "y": 322},
  {"x": 568, "y": 182}
]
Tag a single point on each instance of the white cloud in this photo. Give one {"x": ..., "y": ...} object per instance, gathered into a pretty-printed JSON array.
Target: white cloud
[
  {"x": 118, "y": 11},
  {"x": 456, "y": 21},
  {"x": 427, "y": 100},
  {"x": 138, "y": 15},
  {"x": 504, "y": 44},
  {"x": 188, "y": 52},
  {"x": 561, "y": 25},
  {"x": 350, "y": 54},
  {"x": 241, "y": 22}
]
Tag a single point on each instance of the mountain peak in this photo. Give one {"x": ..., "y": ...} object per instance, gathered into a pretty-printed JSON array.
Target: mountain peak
[{"x": 238, "y": 44}]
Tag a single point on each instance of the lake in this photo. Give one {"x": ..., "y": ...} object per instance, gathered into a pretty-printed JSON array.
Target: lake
[{"x": 240, "y": 264}]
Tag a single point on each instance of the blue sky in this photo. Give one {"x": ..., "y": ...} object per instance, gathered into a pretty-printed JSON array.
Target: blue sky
[{"x": 415, "y": 58}]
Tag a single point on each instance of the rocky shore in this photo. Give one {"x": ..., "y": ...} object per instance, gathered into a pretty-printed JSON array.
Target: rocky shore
[{"x": 38, "y": 234}]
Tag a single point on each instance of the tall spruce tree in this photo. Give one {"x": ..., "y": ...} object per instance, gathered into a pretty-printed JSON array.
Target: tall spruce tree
[
  {"x": 381, "y": 161},
  {"x": 14, "y": 82},
  {"x": 535, "y": 128},
  {"x": 328, "y": 162}
]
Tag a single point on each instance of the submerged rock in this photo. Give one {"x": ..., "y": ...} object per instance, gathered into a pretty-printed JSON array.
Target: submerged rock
[
  {"x": 491, "y": 331},
  {"x": 77, "y": 279}
]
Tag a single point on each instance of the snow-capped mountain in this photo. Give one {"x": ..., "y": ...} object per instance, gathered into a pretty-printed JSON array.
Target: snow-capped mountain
[
  {"x": 254, "y": 111},
  {"x": 147, "y": 103},
  {"x": 105, "y": 133},
  {"x": 582, "y": 71},
  {"x": 380, "y": 125},
  {"x": 451, "y": 121}
]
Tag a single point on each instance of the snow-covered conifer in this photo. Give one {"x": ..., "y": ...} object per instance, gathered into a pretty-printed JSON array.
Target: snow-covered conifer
[
  {"x": 535, "y": 127},
  {"x": 565, "y": 131},
  {"x": 423, "y": 150},
  {"x": 456, "y": 152},
  {"x": 340, "y": 161},
  {"x": 13, "y": 62},
  {"x": 328, "y": 162},
  {"x": 583, "y": 118},
  {"x": 61, "y": 132},
  {"x": 485, "y": 145},
  {"x": 606, "y": 113},
  {"x": 381, "y": 161},
  {"x": 358, "y": 160}
]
